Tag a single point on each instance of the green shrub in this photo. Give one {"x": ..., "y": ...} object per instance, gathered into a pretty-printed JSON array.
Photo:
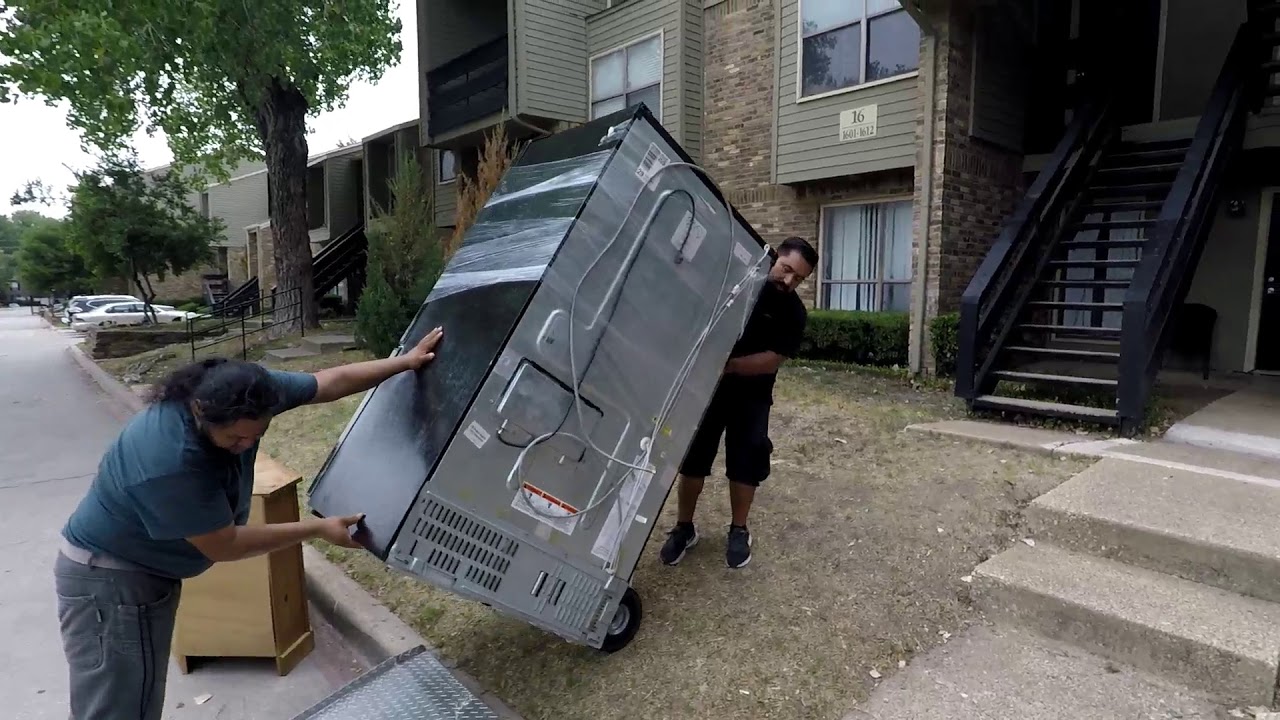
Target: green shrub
[
  {"x": 188, "y": 306},
  {"x": 405, "y": 258},
  {"x": 861, "y": 338},
  {"x": 944, "y": 332}
]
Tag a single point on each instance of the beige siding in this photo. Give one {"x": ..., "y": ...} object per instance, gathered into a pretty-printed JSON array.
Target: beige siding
[
  {"x": 446, "y": 195},
  {"x": 344, "y": 195},
  {"x": 377, "y": 172},
  {"x": 691, "y": 59},
  {"x": 239, "y": 203},
  {"x": 631, "y": 21},
  {"x": 551, "y": 57},
  {"x": 809, "y": 146}
]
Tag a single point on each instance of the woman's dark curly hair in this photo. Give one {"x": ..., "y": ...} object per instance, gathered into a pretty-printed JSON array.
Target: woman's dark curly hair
[{"x": 225, "y": 390}]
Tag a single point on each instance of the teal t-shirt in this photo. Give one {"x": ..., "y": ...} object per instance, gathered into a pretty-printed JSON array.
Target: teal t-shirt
[{"x": 162, "y": 481}]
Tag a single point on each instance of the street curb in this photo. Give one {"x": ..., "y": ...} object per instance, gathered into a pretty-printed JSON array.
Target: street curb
[
  {"x": 1034, "y": 440},
  {"x": 372, "y": 630},
  {"x": 115, "y": 389}
]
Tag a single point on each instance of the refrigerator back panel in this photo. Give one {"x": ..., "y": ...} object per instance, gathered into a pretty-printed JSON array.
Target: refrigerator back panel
[{"x": 612, "y": 282}]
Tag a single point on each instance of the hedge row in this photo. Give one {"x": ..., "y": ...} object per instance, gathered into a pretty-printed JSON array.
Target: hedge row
[
  {"x": 861, "y": 338},
  {"x": 875, "y": 338}
]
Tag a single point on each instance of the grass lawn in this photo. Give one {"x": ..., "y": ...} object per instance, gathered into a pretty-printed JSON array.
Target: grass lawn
[{"x": 862, "y": 537}]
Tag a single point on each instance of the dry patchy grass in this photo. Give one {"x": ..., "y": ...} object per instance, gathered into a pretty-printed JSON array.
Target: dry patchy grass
[{"x": 862, "y": 536}]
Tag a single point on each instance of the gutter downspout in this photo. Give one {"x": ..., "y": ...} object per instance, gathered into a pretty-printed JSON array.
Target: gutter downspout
[{"x": 919, "y": 304}]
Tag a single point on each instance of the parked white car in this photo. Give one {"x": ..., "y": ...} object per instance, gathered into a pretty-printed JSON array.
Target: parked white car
[
  {"x": 129, "y": 313},
  {"x": 86, "y": 303}
]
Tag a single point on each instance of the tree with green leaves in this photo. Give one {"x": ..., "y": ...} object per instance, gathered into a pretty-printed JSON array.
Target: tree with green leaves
[
  {"x": 225, "y": 80},
  {"x": 8, "y": 273},
  {"x": 10, "y": 235},
  {"x": 405, "y": 260},
  {"x": 49, "y": 262},
  {"x": 137, "y": 225}
]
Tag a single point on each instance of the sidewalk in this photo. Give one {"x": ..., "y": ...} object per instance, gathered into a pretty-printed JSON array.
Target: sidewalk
[
  {"x": 54, "y": 426},
  {"x": 357, "y": 624}
]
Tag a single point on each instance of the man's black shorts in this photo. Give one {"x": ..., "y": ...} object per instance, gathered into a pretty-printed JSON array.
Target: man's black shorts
[{"x": 743, "y": 419}]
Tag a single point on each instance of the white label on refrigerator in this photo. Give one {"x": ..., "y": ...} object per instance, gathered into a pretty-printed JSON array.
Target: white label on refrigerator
[
  {"x": 687, "y": 239},
  {"x": 653, "y": 161},
  {"x": 743, "y": 254},
  {"x": 546, "y": 508},
  {"x": 624, "y": 510},
  {"x": 476, "y": 434}
]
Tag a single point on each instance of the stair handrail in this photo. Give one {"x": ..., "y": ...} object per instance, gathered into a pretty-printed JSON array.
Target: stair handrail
[
  {"x": 239, "y": 299},
  {"x": 1179, "y": 233},
  {"x": 341, "y": 258},
  {"x": 1040, "y": 212},
  {"x": 335, "y": 245}
]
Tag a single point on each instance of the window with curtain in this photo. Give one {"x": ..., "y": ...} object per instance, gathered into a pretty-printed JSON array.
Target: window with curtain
[
  {"x": 845, "y": 43},
  {"x": 627, "y": 76},
  {"x": 866, "y": 256},
  {"x": 448, "y": 167}
]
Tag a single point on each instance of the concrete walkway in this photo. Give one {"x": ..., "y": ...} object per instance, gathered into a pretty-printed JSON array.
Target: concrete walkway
[
  {"x": 1143, "y": 587},
  {"x": 54, "y": 426},
  {"x": 1247, "y": 422}
]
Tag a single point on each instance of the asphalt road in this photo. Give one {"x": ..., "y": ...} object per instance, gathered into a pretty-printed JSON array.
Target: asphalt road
[{"x": 54, "y": 426}]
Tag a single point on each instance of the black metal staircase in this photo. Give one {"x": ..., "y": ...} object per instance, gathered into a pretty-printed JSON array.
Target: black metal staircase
[
  {"x": 236, "y": 301},
  {"x": 216, "y": 286},
  {"x": 1067, "y": 315},
  {"x": 343, "y": 258}
]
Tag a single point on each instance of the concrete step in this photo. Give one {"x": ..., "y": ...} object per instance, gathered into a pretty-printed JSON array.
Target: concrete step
[
  {"x": 1224, "y": 644},
  {"x": 328, "y": 343},
  {"x": 1194, "y": 525},
  {"x": 290, "y": 353},
  {"x": 1007, "y": 673}
]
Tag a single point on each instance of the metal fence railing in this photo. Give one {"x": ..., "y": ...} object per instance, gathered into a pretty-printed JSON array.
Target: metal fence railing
[{"x": 250, "y": 317}]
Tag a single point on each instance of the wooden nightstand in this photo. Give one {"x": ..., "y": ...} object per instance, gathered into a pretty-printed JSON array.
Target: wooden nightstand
[{"x": 255, "y": 607}]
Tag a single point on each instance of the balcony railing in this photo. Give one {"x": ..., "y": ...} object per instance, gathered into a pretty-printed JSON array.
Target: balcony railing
[{"x": 468, "y": 88}]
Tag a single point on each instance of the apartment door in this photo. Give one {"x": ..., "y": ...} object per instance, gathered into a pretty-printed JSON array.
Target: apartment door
[
  {"x": 1267, "y": 358},
  {"x": 1117, "y": 45}
]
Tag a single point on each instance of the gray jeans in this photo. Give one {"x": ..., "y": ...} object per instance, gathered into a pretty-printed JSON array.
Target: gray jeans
[{"x": 117, "y": 627}]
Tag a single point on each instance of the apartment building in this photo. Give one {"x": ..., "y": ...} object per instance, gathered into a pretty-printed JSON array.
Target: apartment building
[
  {"x": 806, "y": 112},
  {"x": 926, "y": 146}
]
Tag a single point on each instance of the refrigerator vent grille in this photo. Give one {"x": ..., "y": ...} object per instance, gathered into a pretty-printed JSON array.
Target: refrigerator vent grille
[{"x": 459, "y": 546}]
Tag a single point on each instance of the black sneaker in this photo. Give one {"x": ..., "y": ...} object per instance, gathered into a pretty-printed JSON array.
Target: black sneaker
[
  {"x": 682, "y": 537},
  {"x": 738, "y": 551}
]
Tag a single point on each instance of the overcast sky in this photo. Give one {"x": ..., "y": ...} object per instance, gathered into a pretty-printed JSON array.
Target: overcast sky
[{"x": 39, "y": 145}]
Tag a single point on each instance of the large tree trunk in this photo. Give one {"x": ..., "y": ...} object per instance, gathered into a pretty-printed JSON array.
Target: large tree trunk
[{"x": 282, "y": 127}]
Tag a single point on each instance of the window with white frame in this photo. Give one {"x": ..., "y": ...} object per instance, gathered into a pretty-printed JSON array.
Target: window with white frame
[
  {"x": 626, "y": 76},
  {"x": 448, "y": 168},
  {"x": 866, "y": 256},
  {"x": 845, "y": 43}
]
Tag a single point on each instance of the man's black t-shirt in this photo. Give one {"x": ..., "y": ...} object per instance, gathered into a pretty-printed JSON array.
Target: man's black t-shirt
[{"x": 777, "y": 324}]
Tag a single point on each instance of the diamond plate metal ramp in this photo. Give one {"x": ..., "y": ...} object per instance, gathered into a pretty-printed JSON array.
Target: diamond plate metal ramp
[{"x": 411, "y": 686}]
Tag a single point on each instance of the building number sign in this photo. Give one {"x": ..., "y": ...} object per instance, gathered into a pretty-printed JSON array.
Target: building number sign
[{"x": 858, "y": 123}]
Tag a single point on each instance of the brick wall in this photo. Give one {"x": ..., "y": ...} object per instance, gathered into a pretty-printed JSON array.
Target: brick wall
[
  {"x": 237, "y": 268},
  {"x": 266, "y": 258},
  {"x": 974, "y": 184},
  {"x": 183, "y": 287},
  {"x": 738, "y": 113}
]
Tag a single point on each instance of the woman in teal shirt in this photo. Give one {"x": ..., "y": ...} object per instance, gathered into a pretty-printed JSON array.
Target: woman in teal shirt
[{"x": 171, "y": 497}]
